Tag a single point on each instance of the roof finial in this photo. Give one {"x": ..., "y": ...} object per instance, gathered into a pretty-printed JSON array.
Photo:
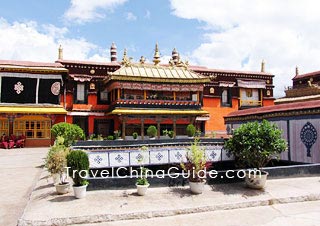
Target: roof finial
[
  {"x": 156, "y": 57},
  {"x": 125, "y": 60},
  {"x": 113, "y": 52},
  {"x": 142, "y": 60},
  {"x": 262, "y": 66},
  {"x": 297, "y": 71},
  {"x": 60, "y": 53},
  {"x": 175, "y": 56}
]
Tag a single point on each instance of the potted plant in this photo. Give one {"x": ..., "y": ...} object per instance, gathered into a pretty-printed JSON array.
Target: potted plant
[
  {"x": 55, "y": 164},
  {"x": 78, "y": 167},
  {"x": 110, "y": 137},
  {"x": 152, "y": 132},
  {"x": 253, "y": 145},
  {"x": 168, "y": 133},
  {"x": 135, "y": 135},
  {"x": 191, "y": 130},
  {"x": 195, "y": 166},
  {"x": 117, "y": 134},
  {"x": 142, "y": 183}
]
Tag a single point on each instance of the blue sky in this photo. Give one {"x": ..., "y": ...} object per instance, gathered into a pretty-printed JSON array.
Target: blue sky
[
  {"x": 135, "y": 25},
  {"x": 220, "y": 34}
]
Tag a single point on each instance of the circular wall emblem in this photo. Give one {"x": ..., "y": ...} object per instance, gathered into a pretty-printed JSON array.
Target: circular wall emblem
[
  {"x": 308, "y": 136},
  {"x": 55, "y": 88}
]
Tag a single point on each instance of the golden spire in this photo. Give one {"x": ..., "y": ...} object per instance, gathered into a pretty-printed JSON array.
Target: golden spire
[
  {"x": 297, "y": 71},
  {"x": 125, "y": 60},
  {"x": 60, "y": 53},
  {"x": 156, "y": 57},
  {"x": 262, "y": 66}
]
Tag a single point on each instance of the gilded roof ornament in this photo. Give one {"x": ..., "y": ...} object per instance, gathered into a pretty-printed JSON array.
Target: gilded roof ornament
[
  {"x": 142, "y": 60},
  {"x": 156, "y": 57},
  {"x": 125, "y": 60}
]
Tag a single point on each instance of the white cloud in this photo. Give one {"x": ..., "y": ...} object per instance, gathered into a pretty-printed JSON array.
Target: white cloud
[
  {"x": 281, "y": 32},
  {"x": 131, "y": 16},
  {"x": 82, "y": 11},
  {"x": 28, "y": 41}
]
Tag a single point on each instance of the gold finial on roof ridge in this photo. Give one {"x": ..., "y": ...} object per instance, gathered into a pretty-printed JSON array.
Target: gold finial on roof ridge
[
  {"x": 125, "y": 60},
  {"x": 297, "y": 71},
  {"x": 156, "y": 57},
  {"x": 142, "y": 60}
]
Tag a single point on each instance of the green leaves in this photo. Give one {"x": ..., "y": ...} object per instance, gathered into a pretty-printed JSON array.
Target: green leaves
[
  {"x": 253, "y": 144},
  {"x": 69, "y": 132}
]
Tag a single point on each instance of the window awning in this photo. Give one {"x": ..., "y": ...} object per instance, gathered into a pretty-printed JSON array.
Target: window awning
[
  {"x": 203, "y": 118},
  {"x": 156, "y": 112},
  {"x": 257, "y": 84},
  {"x": 33, "y": 110},
  {"x": 226, "y": 84}
]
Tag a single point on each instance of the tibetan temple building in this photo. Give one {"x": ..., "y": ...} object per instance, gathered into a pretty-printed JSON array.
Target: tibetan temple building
[
  {"x": 127, "y": 96},
  {"x": 103, "y": 97},
  {"x": 296, "y": 114},
  {"x": 30, "y": 99}
]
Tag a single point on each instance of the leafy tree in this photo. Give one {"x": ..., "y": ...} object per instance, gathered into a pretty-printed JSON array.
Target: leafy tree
[
  {"x": 69, "y": 132},
  {"x": 254, "y": 144}
]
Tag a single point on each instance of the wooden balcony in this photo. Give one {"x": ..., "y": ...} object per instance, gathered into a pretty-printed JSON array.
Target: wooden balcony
[{"x": 171, "y": 104}]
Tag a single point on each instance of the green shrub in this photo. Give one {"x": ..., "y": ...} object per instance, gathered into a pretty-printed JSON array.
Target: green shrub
[
  {"x": 135, "y": 135},
  {"x": 78, "y": 163},
  {"x": 254, "y": 144},
  {"x": 152, "y": 131},
  {"x": 69, "y": 132},
  {"x": 191, "y": 130},
  {"x": 110, "y": 137}
]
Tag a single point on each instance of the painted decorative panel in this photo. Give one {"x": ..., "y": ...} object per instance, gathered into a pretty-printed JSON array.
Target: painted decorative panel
[
  {"x": 99, "y": 160},
  {"x": 119, "y": 158}
]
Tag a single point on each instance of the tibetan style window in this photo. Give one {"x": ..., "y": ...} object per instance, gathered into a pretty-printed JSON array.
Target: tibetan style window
[
  {"x": 33, "y": 127},
  {"x": 4, "y": 126},
  {"x": 103, "y": 97},
  {"x": 250, "y": 97},
  {"x": 80, "y": 94},
  {"x": 226, "y": 98}
]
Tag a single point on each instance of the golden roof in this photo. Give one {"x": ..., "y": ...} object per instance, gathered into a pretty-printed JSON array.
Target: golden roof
[{"x": 157, "y": 73}]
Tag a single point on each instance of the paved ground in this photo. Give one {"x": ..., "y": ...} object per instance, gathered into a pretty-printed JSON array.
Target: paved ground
[
  {"x": 47, "y": 208},
  {"x": 19, "y": 171},
  {"x": 293, "y": 214}
]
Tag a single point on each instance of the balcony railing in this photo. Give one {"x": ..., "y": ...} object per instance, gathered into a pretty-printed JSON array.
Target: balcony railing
[
  {"x": 250, "y": 103},
  {"x": 172, "y": 104}
]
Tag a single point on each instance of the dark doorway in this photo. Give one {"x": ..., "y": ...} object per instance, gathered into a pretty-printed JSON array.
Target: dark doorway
[
  {"x": 104, "y": 127},
  {"x": 82, "y": 121}
]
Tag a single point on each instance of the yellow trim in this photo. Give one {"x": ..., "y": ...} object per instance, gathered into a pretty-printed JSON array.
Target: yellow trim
[
  {"x": 156, "y": 112},
  {"x": 34, "y": 110}
]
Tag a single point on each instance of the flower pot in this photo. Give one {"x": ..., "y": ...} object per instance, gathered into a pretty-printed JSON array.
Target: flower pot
[
  {"x": 142, "y": 189},
  {"x": 80, "y": 191},
  {"x": 56, "y": 178},
  {"x": 62, "y": 188},
  {"x": 257, "y": 180},
  {"x": 196, "y": 187}
]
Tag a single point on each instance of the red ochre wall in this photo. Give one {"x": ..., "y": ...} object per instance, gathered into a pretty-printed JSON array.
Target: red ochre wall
[
  {"x": 217, "y": 112},
  {"x": 268, "y": 102}
]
